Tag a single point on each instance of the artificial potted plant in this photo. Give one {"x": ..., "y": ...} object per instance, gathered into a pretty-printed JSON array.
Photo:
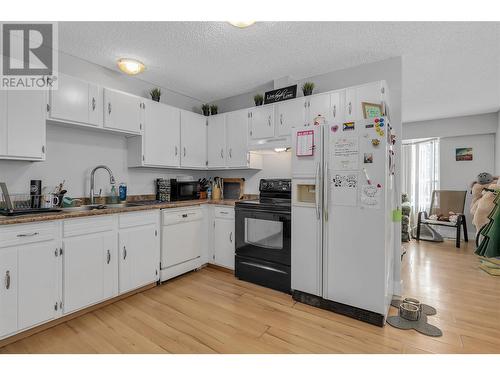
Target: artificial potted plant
[
  {"x": 213, "y": 109},
  {"x": 155, "y": 94},
  {"x": 258, "y": 99},
  {"x": 205, "y": 108},
  {"x": 307, "y": 88}
]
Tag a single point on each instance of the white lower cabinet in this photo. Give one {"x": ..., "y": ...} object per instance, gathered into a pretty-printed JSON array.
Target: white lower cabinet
[
  {"x": 38, "y": 283},
  {"x": 8, "y": 291},
  {"x": 223, "y": 253},
  {"x": 90, "y": 269},
  {"x": 181, "y": 241},
  {"x": 138, "y": 249}
]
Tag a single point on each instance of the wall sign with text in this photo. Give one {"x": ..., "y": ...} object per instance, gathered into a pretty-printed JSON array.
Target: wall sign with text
[{"x": 279, "y": 95}]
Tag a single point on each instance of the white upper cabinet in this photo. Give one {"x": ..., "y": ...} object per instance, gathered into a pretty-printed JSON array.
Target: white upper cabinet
[
  {"x": 8, "y": 291},
  {"x": 336, "y": 106},
  {"x": 38, "y": 283},
  {"x": 261, "y": 122},
  {"x": 370, "y": 93},
  {"x": 22, "y": 124},
  {"x": 317, "y": 105},
  {"x": 193, "y": 140},
  {"x": 236, "y": 139},
  {"x": 290, "y": 113},
  {"x": 76, "y": 100},
  {"x": 216, "y": 141},
  {"x": 122, "y": 112},
  {"x": 161, "y": 135}
]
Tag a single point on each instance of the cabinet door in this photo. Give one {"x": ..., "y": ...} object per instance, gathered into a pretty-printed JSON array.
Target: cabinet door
[
  {"x": 355, "y": 96},
  {"x": 8, "y": 291},
  {"x": 70, "y": 101},
  {"x": 224, "y": 243},
  {"x": 289, "y": 114},
  {"x": 38, "y": 299},
  {"x": 262, "y": 122},
  {"x": 161, "y": 135},
  {"x": 122, "y": 111},
  {"x": 87, "y": 270},
  {"x": 193, "y": 140},
  {"x": 337, "y": 110},
  {"x": 236, "y": 139},
  {"x": 139, "y": 254},
  {"x": 26, "y": 124},
  {"x": 318, "y": 105},
  {"x": 95, "y": 107},
  {"x": 216, "y": 141}
]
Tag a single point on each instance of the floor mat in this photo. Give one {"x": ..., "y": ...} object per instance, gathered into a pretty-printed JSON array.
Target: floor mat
[{"x": 421, "y": 325}]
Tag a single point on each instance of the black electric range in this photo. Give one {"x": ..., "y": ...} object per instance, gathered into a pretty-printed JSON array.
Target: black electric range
[{"x": 263, "y": 236}]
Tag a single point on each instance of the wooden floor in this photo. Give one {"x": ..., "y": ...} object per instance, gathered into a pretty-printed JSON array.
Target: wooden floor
[{"x": 209, "y": 311}]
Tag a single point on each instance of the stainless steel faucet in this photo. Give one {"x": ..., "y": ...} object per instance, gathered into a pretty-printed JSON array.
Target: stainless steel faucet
[{"x": 92, "y": 180}]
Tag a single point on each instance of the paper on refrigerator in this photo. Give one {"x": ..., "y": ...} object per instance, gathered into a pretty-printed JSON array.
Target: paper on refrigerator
[
  {"x": 345, "y": 188},
  {"x": 345, "y": 155}
]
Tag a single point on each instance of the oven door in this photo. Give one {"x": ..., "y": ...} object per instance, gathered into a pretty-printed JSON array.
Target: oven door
[{"x": 263, "y": 234}]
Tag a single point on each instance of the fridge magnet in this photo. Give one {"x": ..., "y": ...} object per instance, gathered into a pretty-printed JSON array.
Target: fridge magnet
[
  {"x": 370, "y": 196},
  {"x": 369, "y": 126},
  {"x": 348, "y": 126},
  {"x": 371, "y": 110},
  {"x": 368, "y": 158},
  {"x": 375, "y": 142},
  {"x": 334, "y": 128},
  {"x": 463, "y": 154}
]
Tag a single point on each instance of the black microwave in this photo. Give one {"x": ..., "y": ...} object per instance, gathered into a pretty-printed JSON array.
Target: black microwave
[{"x": 178, "y": 190}]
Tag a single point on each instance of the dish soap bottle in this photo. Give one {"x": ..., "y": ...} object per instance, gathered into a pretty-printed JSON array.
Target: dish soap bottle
[{"x": 113, "y": 197}]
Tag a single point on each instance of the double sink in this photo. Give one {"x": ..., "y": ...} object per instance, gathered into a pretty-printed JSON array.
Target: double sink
[{"x": 91, "y": 207}]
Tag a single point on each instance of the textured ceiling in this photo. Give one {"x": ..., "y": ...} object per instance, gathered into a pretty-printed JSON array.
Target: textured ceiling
[{"x": 449, "y": 69}]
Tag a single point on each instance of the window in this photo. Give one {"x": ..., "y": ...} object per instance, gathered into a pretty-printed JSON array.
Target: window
[{"x": 420, "y": 161}]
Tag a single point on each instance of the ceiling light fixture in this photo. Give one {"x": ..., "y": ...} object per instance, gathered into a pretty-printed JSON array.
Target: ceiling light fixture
[
  {"x": 281, "y": 149},
  {"x": 241, "y": 24},
  {"x": 130, "y": 66}
]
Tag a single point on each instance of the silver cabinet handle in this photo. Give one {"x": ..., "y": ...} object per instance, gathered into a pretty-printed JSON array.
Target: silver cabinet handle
[
  {"x": 109, "y": 108},
  {"x": 7, "y": 280},
  {"x": 334, "y": 110},
  {"x": 124, "y": 253},
  {"x": 176, "y": 150},
  {"x": 230, "y": 153},
  {"x": 28, "y": 234},
  {"x": 184, "y": 215},
  {"x": 281, "y": 118},
  {"x": 350, "y": 107},
  {"x": 269, "y": 121},
  {"x": 231, "y": 237},
  {"x": 93, "y": 104},
  {"x": 222, "y": 153},
  {"x": 184, "y": 151},
  {"x": 305, "y": 104},
  {"x": 108, "y": 257}
]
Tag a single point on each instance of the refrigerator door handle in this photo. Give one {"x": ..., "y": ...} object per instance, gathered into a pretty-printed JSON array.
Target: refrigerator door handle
[
  {"x": 326, "y": 192},
  {"x": 316, "y": 191}
]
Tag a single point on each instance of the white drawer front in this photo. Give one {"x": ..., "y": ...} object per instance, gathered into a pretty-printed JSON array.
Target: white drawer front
[
  {"x": 12, "y": 235},
  {"x": 133, "y": 219},
  {"x": 181, "y": 216},
  {"x": 95, "y": 224},
  {"x": 224, "y": 212}
]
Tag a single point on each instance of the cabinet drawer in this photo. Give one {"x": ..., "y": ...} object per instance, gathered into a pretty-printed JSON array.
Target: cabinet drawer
[
  {"x": 224, "y": 212},
  {"x": 134, "y": 219},
  {"x": 27, "y": 233},
  {"x": 181, "y": 216},
  {"x": 96, "y": 224}
]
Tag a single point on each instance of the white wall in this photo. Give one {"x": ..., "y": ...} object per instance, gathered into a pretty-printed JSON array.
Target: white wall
[
  {"x": 497, "y": 147},
  {"x": 72, "y": 152},
  {"x": 457, "y": 175},
  {"x": 276, "y": 165},
  {"x": 449, "y": 127}
]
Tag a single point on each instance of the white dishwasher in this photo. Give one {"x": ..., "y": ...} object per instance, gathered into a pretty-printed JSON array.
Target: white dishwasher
[{"x": 181, "y": 240}]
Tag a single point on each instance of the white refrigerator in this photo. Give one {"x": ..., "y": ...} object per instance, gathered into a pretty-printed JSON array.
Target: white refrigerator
[{"x": 343, "y": 212}]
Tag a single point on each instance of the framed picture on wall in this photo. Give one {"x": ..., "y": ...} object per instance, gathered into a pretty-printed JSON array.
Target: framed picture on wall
[
  {"x": 463, "y": 154},
  {"x": 371, "y": 110}
]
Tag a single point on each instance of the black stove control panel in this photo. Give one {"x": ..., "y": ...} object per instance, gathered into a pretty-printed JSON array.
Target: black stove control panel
[{"x": 275, "y": 185}]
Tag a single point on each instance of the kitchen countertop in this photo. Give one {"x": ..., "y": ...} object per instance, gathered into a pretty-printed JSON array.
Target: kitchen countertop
[{"x": 5, "y": 220}]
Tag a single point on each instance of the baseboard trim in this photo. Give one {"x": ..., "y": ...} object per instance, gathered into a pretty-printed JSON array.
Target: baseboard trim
[
  {"x": 63, "y": 319},
  {"x": 340, "y": 308},
  {"x": 220, "y": 268}
]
